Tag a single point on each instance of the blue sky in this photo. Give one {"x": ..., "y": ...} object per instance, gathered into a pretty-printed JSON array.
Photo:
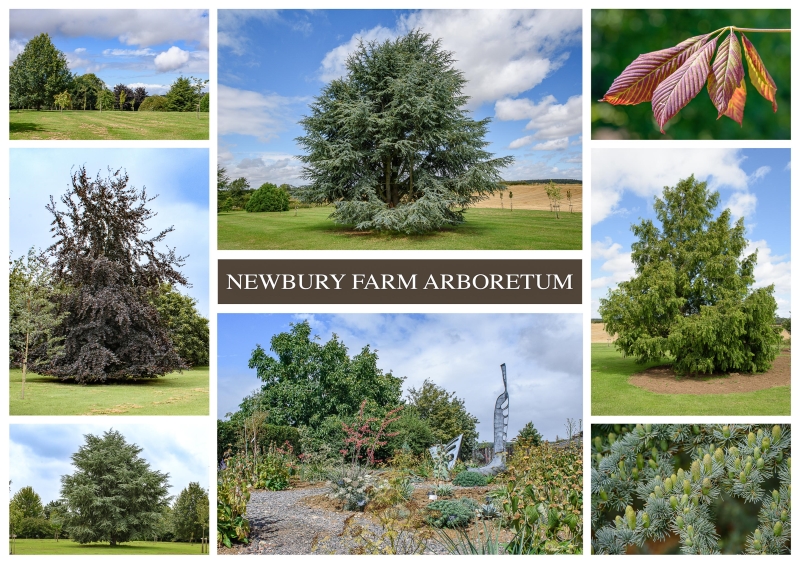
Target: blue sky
[
  {"x": 40, "y": 454},
  {"x": 178, "y": 176},
  {"x": 753, "y": 183},
  {"x": 461, "y": 353},
  {"x": 149, "y": 48},
  {"x": 523, "y": 68}
]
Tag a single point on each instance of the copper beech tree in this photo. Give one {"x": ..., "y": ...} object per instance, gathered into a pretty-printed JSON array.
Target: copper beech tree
[{"x": 111, "y": 329}]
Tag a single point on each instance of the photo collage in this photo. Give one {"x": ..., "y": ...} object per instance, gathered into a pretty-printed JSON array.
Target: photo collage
[{"x": 387, "y": 327}]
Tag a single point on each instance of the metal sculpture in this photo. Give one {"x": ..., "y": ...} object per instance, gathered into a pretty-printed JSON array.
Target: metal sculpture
[
  {"x": 497, "y": 464},
  {"x": 449, "y": 451}
]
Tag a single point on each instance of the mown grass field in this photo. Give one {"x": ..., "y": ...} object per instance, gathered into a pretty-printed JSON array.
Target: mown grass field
[
  {"x": 485, "y": 229},
  {"x": 613, "y": 395},
  {"x": 174, "y": 394},
  {"x": 50, "y": 546},
  {"x": 77, "y": 124}
]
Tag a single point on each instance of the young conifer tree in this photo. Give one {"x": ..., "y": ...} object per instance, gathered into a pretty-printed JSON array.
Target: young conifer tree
[
  {"x": 112, "y": 329},
  {"x": 691, "y": 297}
]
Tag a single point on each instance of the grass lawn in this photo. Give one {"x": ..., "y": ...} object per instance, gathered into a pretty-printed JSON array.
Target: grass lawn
[
  {"x": 174, "y": 394},
  {"x": 484, "y": 229},
  {"x": 77, "y": 124},
  {"x": 66, "y": 546},
  {"x": 613, "y": 395}
]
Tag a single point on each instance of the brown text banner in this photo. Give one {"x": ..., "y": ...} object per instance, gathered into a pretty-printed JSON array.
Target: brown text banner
[{"x": 399, "y": 281}]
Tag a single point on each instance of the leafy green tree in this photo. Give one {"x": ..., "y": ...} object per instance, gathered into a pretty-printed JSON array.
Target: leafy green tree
[
  {"x": 182, "y": 96},
  {"x": 63, "y": 100},
  {"x": 203, "y": 510},
  {"x": 553, "y": 192},
  {"x": 412, "y": 432},
  {"x": 306, "y": 382},
  {"x": 691, "y": 296},
  {"x": 787, "y": 325},
  {"x": 105, "y": 100},
  {"x": 33, "y": 317},
  {"x": 445, "y": 414},
  {"x": 113, "y": 495},
  {"x": 184, "y": 513},
  {"x": 54, "y": 512},
  {"x": 154, "y": 103},
  {"x": 38, "y": 73},
  {"x": 139, "y": 95},
  {"x": 391, "y": 145},
  {"x": 268, "y": 198},
  {"x": 187, "y": 328},
  {"x": 85, "y": 90},
  {"x": 28, "y": 502},
  {"x": 530, "y": 434},
  {"x": 112, "y": 329}
]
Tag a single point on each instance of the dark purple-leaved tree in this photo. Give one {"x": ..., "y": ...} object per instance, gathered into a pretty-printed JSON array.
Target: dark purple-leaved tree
[{"x": 102, "y": 253}]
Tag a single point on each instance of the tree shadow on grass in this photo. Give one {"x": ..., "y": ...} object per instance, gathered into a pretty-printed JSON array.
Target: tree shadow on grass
[
  {"x": 23, "y": 127},
  {"x": 33, "y": 378}
]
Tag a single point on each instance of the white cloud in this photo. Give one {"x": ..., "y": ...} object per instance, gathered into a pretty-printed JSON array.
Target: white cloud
[
  {"x": 760, "y": 173},
  {"x": 333, "y": 64},
  {"x": 77, "y": 62},
  {"x": 551, "y": 119},
  {"x": 151, "y": 88},
  {"x": 645, "y": 172},
  {"x": 528, "y": 170},
  {"x": 616, "y": 262},
  {"x": 788, "y": 166},
  {"x": 80, "y": 50},
  {"x": 742, "y": 204},
  {"x": 552, "y": 145},
  {"x": 267, "y": 167},
  {"x": 132, "y": 27},
  {"x": 128, "y": 52},
  {"x": 502, "y": 53},
  {"x": 15, "y": 47},
  {"x": 771, "y": 269},
  {"x": 230, "y": 22},
  {"x": 245, "y": 112},
  {"x": 171, "y": 59}
]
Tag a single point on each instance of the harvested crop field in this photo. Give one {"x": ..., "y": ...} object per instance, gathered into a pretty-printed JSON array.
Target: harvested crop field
[{"x": 532, "y": 197}]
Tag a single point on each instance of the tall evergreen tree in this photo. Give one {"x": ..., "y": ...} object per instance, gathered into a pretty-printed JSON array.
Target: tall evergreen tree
[
  {"x": 391, "y": 145},
  {"x": 38, "y": 74},
  {"x": 182, "y": 96},
  {"x": 691, "y": 297},
  {"x": 113, "y": 495},
  {"x": 187, "y": 328},
  {"x": 112, "y": 330},
  {"x": 445, "y": 414}
]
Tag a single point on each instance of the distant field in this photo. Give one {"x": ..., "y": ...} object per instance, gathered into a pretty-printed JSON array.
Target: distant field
[
  {"x": 78, "y": 124},
  {"x": 174, "y": 394},
  {"x": 50, "y": 546},
  {"x": 491, "y": 229},
  {"x": 533, "y": 197}
]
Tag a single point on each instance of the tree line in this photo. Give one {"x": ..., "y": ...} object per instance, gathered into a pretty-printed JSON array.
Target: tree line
[
  {"x": 39, "y": 78},
  {"x": 113, "y": 496}
]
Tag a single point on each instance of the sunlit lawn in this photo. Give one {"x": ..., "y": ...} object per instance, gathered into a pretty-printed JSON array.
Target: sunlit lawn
[{"x": 66, "y": 546}]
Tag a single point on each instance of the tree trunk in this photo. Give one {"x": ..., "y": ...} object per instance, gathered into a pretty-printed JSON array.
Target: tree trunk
[
  {"x": 387, "y": 175},
  {"x": 25, "y": 362}
]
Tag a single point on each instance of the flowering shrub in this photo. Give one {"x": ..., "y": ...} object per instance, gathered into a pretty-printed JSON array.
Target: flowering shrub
[
  {"x": 362, "y": 435},
  {"x": 351, "y": 485}
]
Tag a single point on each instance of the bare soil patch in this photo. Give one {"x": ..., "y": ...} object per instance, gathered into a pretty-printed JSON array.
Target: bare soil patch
[
  {"x": 533, "y": 197},
  {"x": 599, "y": 334},
  {"x": 663, "y": 380}
]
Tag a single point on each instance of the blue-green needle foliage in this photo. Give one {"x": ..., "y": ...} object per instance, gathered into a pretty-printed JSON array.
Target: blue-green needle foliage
[
  {"x": 391, "y": 145},
  {"x": 657, "y": 481}
]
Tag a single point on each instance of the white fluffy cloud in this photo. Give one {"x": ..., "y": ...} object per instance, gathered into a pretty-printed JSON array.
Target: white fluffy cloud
[
  {"x": 550, "y": 119},
  {"x": 771, "y": 269},
  {"x": 645, "y": 172},
  {"x": 229, "y": 23},
  {"x": 501, "y": 52},
  {"x": 127, "y": 52},
  {"x": 616, "y": 263},
  {"x": 267, "y": 167},
  {"x": 133, "y": 27},
  {"x": 245, "y": 112},
  {"x": 15, "y": 47},
  {"x": 742, "y": 204},
  {"x": 151, "y": 88},
  {"x": 171, "y": 59}
]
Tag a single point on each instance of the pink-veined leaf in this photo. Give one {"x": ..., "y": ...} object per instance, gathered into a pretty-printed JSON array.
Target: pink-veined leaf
[
  {"x": 759, "y": 77},
  {"x": 735, "y": 109},
  {"x": 682, "y": 85},
  {"x": 727, "y": 72},
  {"x": 640, "y": 78}
]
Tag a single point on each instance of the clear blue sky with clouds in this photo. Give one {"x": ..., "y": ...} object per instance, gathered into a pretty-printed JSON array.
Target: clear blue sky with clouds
[
  {"x": 461, "y": 353},
  {"x": 40, "y": 454},
  {"x": 523, "y": 69},
  {"x": 149, "y": 48},
  {"x": 753, "y": 183},
  {"x": 178, "y": 176}
]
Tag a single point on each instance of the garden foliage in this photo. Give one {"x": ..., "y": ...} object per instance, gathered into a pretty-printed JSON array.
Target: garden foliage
[
  {"x": 390, "y": 143},
  {"x": 38, "y": 74},
  {"x": 268, "y": 198},
  {"x": 655, "y": 482},
  {"x": 188, "y": 330},
  {"x": 691, "y": 296},
  {"x": 469, "y": 479},
  {"x": 451, "y": 514}
]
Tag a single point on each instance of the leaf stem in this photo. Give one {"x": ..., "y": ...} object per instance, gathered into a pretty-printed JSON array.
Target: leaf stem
[{"x": 754, "y": 30}]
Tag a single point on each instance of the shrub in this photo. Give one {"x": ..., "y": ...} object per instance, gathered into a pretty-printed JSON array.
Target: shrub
[
  {"x": 469, "y": 479},
  {"x": 352, "y": 485},
  {"x": 396, "y": 488},
  {"x": 273, "y": 470},
  {"x": 232, "y": 498},
  {"x": 268, "y": 198},
  {"x": 444, "y": 490},
  {"x": 450, "y": 514},
  {"x": 205, "y": 103},
  {"x": 154, "y": 104},
  {"x": 677, "y": 481}
]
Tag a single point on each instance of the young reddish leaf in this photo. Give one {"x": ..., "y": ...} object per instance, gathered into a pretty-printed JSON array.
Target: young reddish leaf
[
  {"x": 640, "y": 78},
  {"x": 682, "y": 85},
  {"x": 759, "y": 76},
  {"x": 735, "y": 109},
  {"x": 726, "y": 72}
]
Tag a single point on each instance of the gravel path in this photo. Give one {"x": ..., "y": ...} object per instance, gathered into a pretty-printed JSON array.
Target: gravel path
[{"x": 281, "y": 524}]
